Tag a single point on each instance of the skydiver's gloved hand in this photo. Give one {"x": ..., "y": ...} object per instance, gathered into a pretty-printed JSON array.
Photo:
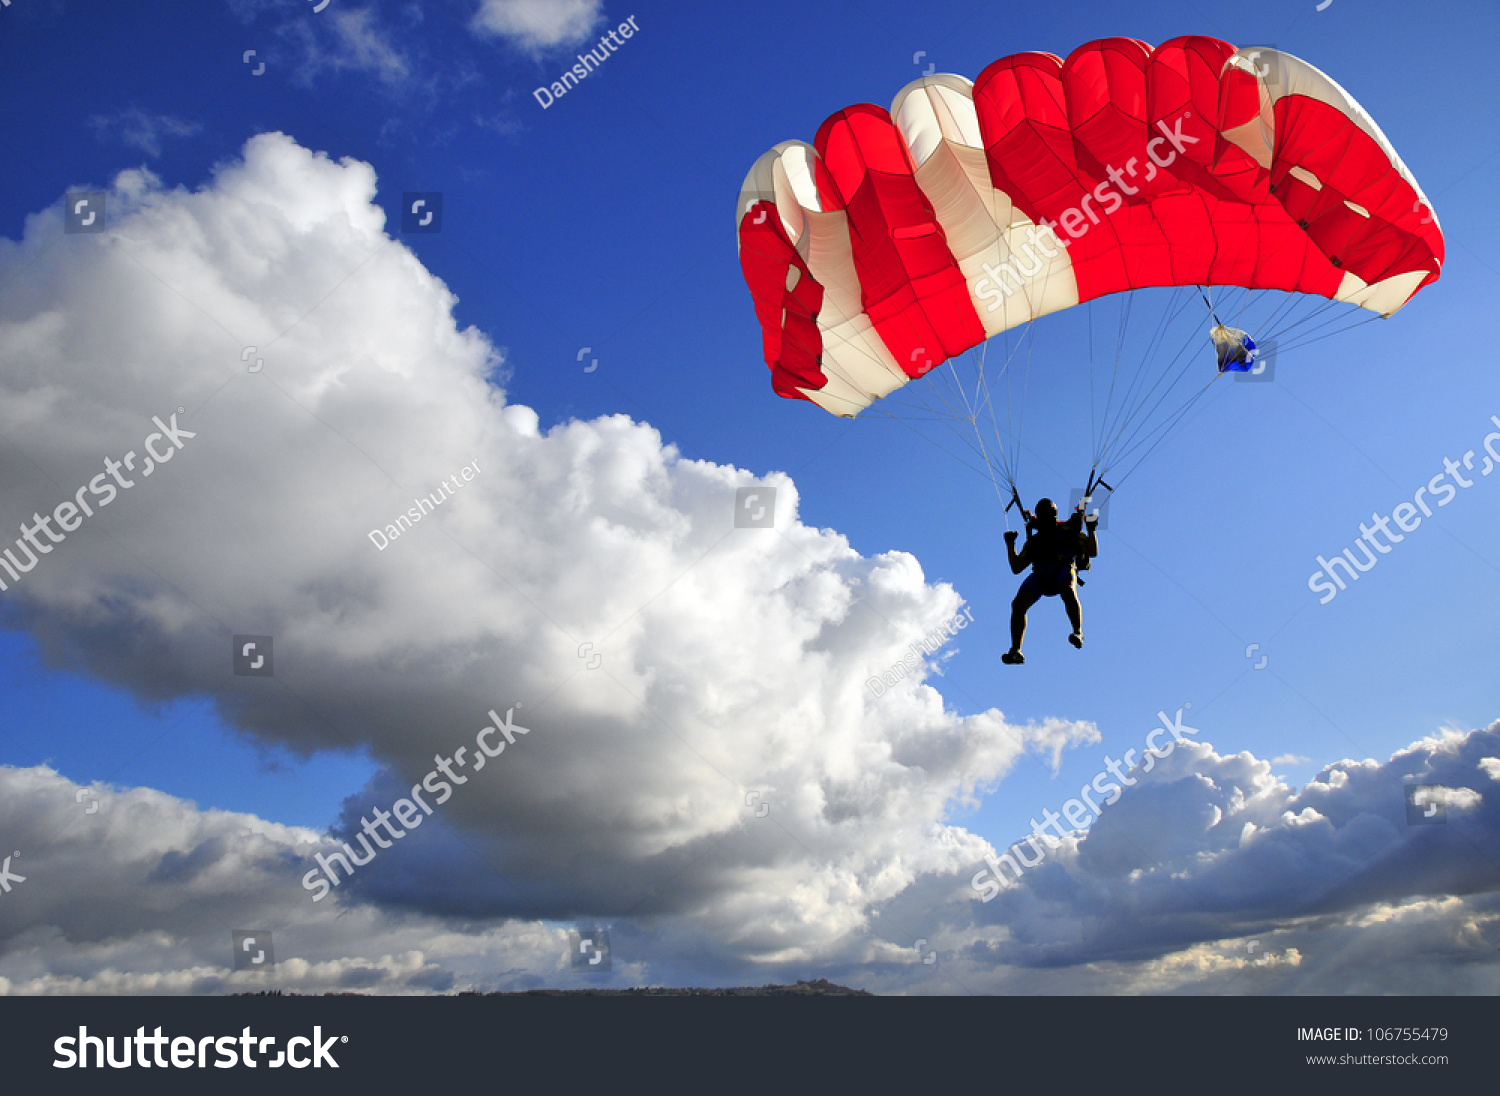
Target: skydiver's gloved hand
[
  {"x": 1010, "y": 536},
  {"x": 1092, "y": 522}
]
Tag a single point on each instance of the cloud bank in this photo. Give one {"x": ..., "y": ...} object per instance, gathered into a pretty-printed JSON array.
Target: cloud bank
[{"x": 720, "y": 661}]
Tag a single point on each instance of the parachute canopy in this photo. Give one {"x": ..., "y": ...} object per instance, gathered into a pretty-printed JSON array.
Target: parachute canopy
[{"x": 900, "y": 239}]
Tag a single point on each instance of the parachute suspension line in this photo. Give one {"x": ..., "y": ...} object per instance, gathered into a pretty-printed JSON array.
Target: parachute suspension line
[
  {"x": 1101, "y": 438},
  {"x": 1115, "y": 374},
  {"x": 984, "y": 401},
  {"x": 1313, "y": 315},
  {"x": 1282, "y": 311},
  {"x": 1093, "y": 417},
  {"x": 1202, "y": 293},
  {"x": 955, "y": 396},
  {"x": 978, "y": 355},
  {"x": 948, "y": 395},
  {"x": 932, "y": 406},
  {"x": 1131, "y": 402},
  {"x": 1151, "y": 349},
  {"x": 985, "y": 398},
  {"x": 1009, "y": 441},
  {"x": 1041, "y": 295},
  {"x": 1004, "y": 437},
  {"x": 995, "y": 454},
  {"x": 1132, "y": 405},
  {"x": 1136, "y": 430},
  {"x": 1289, "y": 314},
  {"x": 1099, "y": 429},
  {"x": 1154, "y": 437},
  {"x": 936, "y": 402},
  {"x": 1303, "y": 340},
  {"x": 939, "y": 409},
  {"x": 981, "y": 397},
  {"x": 1025, "y": 387},
  {"x": 930, "y": 441},
  {"x": 1093, "y": 425},
  {"x": 1121, "y": 440},
  {"x": 1109, "y": 400},
  {"x": 1157, "y": 434},
  {"x": 1014, "y": 419},
  {"x": 1244, "y": 306},
  {"x": 1162, "y": 432}
]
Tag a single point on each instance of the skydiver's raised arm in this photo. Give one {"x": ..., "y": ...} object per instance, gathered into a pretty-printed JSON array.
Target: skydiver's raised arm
[{"x": 1018, "y": 560}]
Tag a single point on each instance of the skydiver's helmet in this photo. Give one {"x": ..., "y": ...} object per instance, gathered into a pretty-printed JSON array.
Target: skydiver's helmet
[{"x": 1044, "y": 516}]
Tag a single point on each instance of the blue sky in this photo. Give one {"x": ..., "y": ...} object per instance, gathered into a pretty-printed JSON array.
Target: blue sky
[{"x": 606, "y": 222}]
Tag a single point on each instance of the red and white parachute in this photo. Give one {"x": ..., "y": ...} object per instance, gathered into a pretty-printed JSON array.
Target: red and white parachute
[{"x": 897, "y": 241}]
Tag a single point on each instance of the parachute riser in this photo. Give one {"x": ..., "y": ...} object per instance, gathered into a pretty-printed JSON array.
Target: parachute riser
[{"x": 1015, "y": 500}]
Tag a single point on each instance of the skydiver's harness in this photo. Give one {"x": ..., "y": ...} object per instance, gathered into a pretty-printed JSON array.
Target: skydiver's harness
[{"x": 1080, "y": 560}]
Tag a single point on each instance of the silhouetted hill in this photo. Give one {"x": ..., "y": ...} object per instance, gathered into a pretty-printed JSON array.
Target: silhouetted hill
[{"x": 820, "y": 987}]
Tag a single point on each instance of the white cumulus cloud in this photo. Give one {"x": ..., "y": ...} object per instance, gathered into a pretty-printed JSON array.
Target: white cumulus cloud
[
  {"x": 537, "y": 25},
  {"x": 721, "y": 661}
]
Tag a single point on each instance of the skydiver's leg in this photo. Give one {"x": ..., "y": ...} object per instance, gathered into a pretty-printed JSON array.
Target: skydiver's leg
[
  {"x": 1075, "y": 613},
  {"x": 1026, "y": 597}
]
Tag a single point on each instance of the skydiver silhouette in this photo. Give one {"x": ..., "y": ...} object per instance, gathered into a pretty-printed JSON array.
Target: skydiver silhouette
[{"x": 1052, "y": 550}]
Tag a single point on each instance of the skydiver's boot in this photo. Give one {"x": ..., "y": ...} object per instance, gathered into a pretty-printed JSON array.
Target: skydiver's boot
[
  {"x": 1013, "y": 658},
  {"x": 1075, "y": 615}
]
